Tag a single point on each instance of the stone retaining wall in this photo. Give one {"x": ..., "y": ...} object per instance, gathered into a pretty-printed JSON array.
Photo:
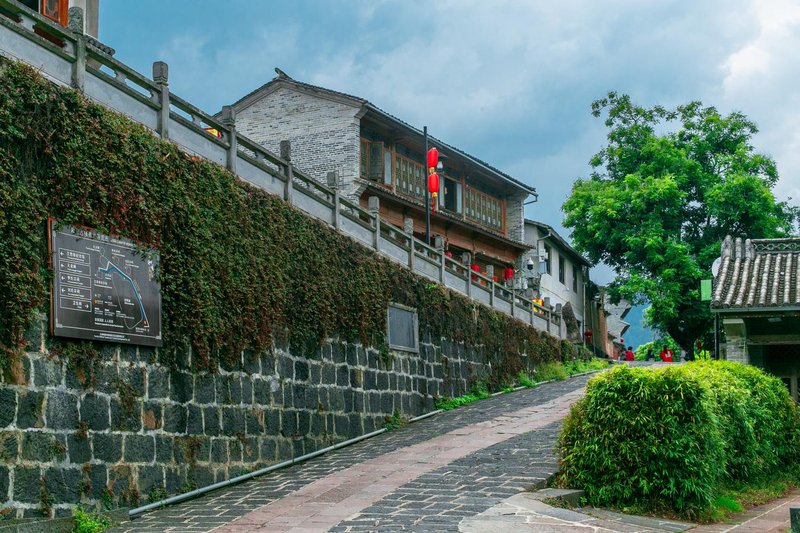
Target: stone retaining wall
[{"x": 131, "y": 428}]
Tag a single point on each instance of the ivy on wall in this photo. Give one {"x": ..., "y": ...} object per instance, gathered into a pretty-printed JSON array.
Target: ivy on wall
[{"x": 239, "y": 267}]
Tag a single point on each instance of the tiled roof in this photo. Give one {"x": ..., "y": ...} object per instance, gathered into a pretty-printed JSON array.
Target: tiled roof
[
  {"x": 758, "y": 273},
  {"x": 560, "y": 240}
]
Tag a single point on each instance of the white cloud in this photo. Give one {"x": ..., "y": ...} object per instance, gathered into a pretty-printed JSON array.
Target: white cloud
[
  {"x": 511, "y": 81},
  {"x": 761, "y": 79}
]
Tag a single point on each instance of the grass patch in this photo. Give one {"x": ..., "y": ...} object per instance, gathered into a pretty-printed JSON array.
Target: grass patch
[
  {"x": 544, "y": 372},
  {"x": 86, "y": 522},
  {"x": 478, "y": 393},
  {"x": 579, "y": 366},
  {"x": 559, "y": 371},
  {"x": 395, "y": 421},
  {"x": 736, "y": 498}
]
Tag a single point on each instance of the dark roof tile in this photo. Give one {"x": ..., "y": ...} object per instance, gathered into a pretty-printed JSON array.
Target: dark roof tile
[{"x": 758, "y": 273}]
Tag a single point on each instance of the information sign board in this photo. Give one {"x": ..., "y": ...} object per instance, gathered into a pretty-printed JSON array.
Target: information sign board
[{"x": 104, "y": 288}]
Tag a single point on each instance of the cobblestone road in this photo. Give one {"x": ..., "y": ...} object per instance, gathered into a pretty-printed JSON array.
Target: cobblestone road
[{"x": 424, "y": 477}]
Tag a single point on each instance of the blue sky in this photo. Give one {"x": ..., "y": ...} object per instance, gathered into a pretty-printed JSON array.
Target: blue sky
[{"x": 508, "y": 81}]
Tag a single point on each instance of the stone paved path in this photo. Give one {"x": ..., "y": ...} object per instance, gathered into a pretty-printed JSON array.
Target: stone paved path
[{"x": 426, "y": 476}]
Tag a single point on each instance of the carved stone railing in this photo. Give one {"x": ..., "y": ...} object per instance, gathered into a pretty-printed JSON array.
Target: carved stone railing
[{"x": 68, "y": 57}]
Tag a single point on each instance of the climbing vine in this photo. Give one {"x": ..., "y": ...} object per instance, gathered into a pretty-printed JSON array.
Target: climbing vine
[{"x": 239, "y": 267}]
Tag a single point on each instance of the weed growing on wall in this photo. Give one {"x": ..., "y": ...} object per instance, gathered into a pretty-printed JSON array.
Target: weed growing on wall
[{"x": 239, "y": 267}]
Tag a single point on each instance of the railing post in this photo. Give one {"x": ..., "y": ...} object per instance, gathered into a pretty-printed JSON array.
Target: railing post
[
  {"x": 560, "y": 320},
  {"x": 513, "y": 298},
  {"x": 548, "y": 312},
  {"x": 467, "y": 260},
  {"x": 333, "y": 183},
  {"x": 490, "y": 273},
  {"x": 374, "y": 204},
  {"x": 229, "y": 120},
  {"x": 161, "y": 77},
  {"x": 286, "y": 155},
  {"x": 438, "y": 243},
  {"x": 75, "y": 24},
  {"x": 408, "y": 227}
]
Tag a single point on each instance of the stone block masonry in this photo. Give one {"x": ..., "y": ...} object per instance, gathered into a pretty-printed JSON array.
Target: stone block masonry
[{"x": 123, "y": 429}]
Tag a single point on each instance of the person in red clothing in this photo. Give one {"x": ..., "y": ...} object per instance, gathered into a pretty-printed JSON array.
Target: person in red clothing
[
  {"x": 629, "y": 354},
  {"x": 666, "y": 354}
]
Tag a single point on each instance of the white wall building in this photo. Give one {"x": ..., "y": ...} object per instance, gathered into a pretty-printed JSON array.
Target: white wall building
[{"x": 561, "y": 272}]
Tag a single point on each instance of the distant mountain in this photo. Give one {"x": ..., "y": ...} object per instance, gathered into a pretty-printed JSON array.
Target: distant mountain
[{"x": 638, "y": 333}]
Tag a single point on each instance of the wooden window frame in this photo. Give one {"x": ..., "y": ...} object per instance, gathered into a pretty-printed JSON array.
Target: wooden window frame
[
  {"x": 63, "y": 11},
  {"x": 484, "y": 209},
  {"x": 411, "y": 177}
]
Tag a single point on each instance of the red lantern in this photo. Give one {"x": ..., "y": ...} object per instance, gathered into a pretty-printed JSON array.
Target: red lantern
[
  {"x": 449, "y": 254},
  {"x": 433, "y": 160},
  {"x": 475, "y": 268},
  {"x": 433, "y": 184},
  {"x": 508, "y": 274}
]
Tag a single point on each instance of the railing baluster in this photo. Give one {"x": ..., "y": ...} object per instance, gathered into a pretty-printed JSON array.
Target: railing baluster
[
  {"x": 75, "y": 16},
  {"x": 161, "y": 77},
  {"x": 229, "y": 120}
]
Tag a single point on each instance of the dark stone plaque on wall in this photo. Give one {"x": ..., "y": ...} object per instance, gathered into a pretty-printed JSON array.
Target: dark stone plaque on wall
[{"x": 104, "y": 288}]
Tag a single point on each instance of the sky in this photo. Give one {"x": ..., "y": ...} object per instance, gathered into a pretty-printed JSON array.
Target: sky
[{"x": 510, "y": 82}]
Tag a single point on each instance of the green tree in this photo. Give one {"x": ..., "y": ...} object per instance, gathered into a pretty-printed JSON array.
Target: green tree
[{"x": 664, "y": 192}]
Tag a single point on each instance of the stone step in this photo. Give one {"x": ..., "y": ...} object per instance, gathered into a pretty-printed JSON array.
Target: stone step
[{"x": 569, "y": 497}]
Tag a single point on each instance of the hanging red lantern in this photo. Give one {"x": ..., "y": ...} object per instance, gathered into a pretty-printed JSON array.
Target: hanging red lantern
[
  {"x": 433, "y": 188},
  {"x": 433, "y": 184},
  {"x": 433, "y": 160},
  {"x": 508, "y": 274}
]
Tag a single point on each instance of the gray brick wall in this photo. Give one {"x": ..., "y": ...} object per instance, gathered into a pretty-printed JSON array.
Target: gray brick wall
[
  {"x": 324, "y": 134},
  {"x": 140, "y": 425},
  {"x": 515, "y": 217}
]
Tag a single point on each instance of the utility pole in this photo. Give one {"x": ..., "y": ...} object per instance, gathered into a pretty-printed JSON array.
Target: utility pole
[{"x": 427, "y": 192}]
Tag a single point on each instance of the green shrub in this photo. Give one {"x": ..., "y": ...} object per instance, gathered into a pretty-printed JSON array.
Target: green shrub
[
  {"x": 668, "y": 439},
  {"x": 86, "y": 522},
  {"x": 550, "y": 372}
]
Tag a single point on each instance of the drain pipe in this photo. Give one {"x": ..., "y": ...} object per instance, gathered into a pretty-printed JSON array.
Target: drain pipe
[{"x": 133, "y": 513}]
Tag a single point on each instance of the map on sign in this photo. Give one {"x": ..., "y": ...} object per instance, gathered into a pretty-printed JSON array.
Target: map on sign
[{"x": 104, "y": 288}]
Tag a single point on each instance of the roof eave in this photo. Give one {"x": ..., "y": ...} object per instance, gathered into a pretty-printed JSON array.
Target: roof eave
[
  {"x": 560, "y": 240},
  {"x": 762, "y": 310},
  {"x": 499, "y": 175}
]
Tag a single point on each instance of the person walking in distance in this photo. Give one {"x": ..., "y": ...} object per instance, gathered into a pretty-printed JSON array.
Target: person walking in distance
[{"x": 666, "y": 354}]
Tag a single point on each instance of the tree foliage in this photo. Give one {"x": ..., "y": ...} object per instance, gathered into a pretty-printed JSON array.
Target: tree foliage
[{"x": 665, "y": 191}]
